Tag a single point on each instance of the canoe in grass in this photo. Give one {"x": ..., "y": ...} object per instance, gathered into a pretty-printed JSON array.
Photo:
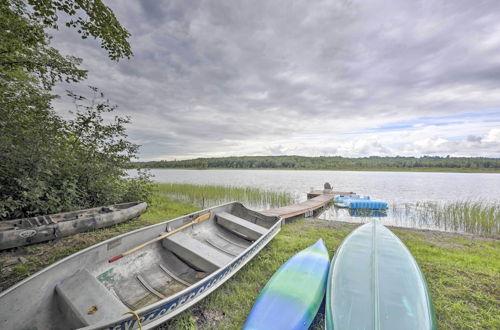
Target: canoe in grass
[
  {"x": 293, "y": 295},
  {"x": 26, "y": 231},
  {"x": 152, "y": 285},
  {"x": 375, "y": 283}
]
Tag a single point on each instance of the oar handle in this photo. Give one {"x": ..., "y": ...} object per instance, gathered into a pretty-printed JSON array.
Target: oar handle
[{"x": 115, "y": 258}]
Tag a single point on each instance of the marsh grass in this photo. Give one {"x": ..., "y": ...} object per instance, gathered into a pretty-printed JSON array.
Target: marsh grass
[
  {"x": 206, "y": 196},
  {"x": 475, "y": 217}
]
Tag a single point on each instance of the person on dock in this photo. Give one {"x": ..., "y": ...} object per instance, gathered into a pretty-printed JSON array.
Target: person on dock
[{"x": 327, "y": 188}]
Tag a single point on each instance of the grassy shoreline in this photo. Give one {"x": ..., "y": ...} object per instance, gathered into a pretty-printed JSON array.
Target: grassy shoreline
[
  {"x": 463, "y": 271},
  {"x": 425, "y": 170}
]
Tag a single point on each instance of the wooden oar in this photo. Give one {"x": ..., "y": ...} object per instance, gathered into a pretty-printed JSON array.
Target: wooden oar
[{"x": 201, "y": 218}]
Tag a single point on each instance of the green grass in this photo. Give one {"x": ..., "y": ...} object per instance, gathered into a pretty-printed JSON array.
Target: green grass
[
  {"x": 463, "y": 275},
  {"x": 475, "y": 217},
  {"x": 205, "y": 196},
  {"x": 463, "y": 271}
]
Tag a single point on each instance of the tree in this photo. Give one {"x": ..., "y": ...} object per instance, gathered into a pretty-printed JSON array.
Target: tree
[
  {"x": 48, "y": 164},
  {"x": 26, "y": 59},
  {"x": 29, "y": 67},
  {"x": 90, "y": 18}
]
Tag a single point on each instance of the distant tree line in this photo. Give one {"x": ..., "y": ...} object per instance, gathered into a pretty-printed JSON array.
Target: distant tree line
[{"x": 335, "y": 162}]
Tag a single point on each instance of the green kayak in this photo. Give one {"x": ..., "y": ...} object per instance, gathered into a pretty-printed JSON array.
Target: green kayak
[{"x": 375, "y": 283}]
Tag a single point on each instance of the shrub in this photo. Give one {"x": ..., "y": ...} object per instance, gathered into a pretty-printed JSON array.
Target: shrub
[{"x": 50, "y": 165}]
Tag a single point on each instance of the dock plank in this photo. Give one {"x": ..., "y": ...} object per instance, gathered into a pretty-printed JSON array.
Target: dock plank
[{"x": 294, "y": 210}]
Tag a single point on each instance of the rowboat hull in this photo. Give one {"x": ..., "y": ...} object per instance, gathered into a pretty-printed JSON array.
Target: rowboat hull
[
  {"x": 292, "y": 297},
  {"x": 155, "y": 283},
  {"x": 27, "y": 231},
  {"x": 375, "y": 283}
]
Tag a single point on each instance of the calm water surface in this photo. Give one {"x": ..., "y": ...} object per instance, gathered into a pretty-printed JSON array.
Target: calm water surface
[{"x": 399, "y": 189}]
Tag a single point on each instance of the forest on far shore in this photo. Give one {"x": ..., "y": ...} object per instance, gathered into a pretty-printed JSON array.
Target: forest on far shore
[{"x": 466, "y": 164}]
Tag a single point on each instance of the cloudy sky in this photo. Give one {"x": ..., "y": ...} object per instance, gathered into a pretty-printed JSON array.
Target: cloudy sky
[{"x": 336, "y": 77}]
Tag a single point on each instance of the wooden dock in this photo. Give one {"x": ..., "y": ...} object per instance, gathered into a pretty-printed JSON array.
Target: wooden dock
[
  {"x": 316, "y": 201},
  {"x": 316, "y": 193}
]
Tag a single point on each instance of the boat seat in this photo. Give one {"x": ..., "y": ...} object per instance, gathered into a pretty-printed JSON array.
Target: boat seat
[
  {"x": 87, "y": 301},
  {"x": 198, "y": 254},
  {"x": 240, "y": 226}
]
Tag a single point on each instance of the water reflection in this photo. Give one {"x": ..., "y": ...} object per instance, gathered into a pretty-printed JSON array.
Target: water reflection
[
  {"x": 396, "y": 215},
  {"x": 367, "y": 213}
]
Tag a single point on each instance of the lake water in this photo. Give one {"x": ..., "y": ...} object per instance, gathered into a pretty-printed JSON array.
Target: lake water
[{"x": 399, "y": 189}]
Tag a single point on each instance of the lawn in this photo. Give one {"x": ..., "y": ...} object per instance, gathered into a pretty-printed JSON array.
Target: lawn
[{"x": 463, "y": 271}]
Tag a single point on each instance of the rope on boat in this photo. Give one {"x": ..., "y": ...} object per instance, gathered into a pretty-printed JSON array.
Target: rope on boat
[{"x": 136, "y": 316}]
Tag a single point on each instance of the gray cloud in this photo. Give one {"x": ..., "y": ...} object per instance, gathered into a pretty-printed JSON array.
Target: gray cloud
[
  {"x": 473, "y": 138},
  {"x": 233, "y": 77}
]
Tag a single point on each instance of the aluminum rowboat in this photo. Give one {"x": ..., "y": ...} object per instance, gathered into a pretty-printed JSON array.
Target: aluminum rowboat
[{"x": 149, "y": 286}]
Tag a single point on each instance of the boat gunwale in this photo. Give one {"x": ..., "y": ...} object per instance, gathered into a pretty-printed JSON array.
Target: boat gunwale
[{"x": 423, "y": 280}]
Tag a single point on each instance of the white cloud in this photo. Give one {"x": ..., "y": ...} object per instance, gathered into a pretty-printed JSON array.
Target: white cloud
[{"x": 493, "y": 137}]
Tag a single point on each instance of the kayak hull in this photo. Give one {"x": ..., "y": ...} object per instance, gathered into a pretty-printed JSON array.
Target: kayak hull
[
  {"x": 292, "y": 297},
  {"x": 375, "y": 283}
]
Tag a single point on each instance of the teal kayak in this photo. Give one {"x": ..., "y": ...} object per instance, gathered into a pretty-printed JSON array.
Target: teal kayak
[
  {"x": 375, "y": 283},
  {"x": 293, "y": 295}
]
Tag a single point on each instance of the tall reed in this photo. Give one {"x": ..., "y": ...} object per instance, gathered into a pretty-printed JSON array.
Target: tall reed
[
  {"x": 206, "y": 196},
  {"x": 476, "y": 217}
]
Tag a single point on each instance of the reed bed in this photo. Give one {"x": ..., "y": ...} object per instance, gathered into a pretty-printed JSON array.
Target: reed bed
[
  {"x": 206, "y": 196},
  {"x": 475, "y": 217}
]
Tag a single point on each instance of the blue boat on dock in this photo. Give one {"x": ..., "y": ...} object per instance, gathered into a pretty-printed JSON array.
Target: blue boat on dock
[{"x": 357, "y": 202}]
